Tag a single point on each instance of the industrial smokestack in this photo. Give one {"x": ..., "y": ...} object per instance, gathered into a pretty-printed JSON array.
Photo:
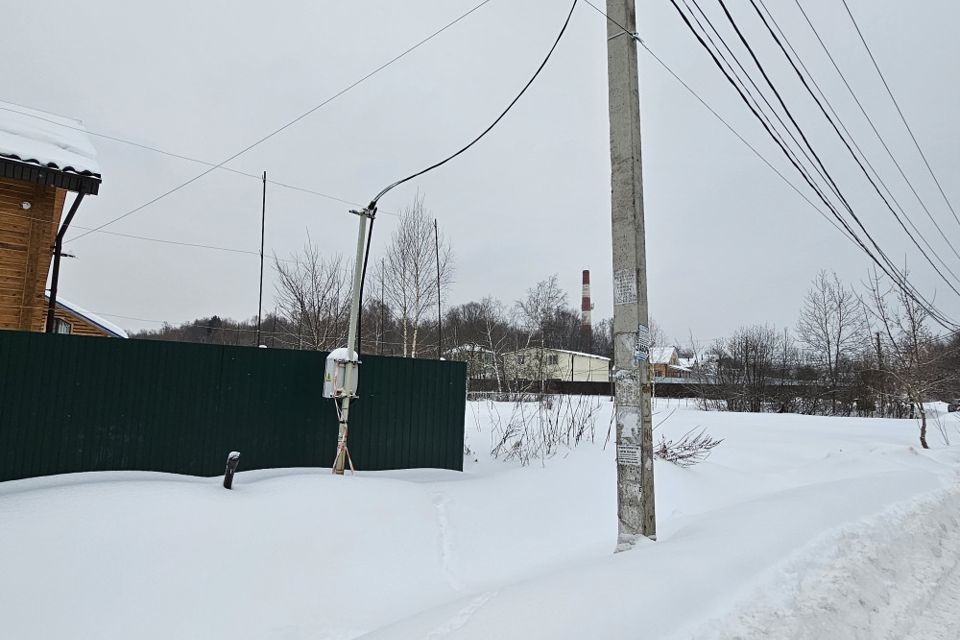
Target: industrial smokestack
[{"x": 586, "y": 326}]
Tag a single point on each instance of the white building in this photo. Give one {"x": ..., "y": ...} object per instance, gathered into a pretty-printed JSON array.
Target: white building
[{"x": 536, "y": 363}]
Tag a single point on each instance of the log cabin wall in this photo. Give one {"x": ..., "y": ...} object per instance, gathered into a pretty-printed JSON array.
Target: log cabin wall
[{"x": 26, "y": 248}]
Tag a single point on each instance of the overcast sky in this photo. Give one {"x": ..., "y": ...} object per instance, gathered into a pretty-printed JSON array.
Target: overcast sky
[{"x": 728, "y": 242}]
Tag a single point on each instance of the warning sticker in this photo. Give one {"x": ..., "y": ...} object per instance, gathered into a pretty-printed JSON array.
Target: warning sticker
[
  {"x": 628, "y": 454},
  {"x": 624, "y": 287}
]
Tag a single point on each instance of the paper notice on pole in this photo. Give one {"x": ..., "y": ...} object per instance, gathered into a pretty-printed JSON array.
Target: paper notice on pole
[
  {"x": 643, "y": 335},
  {"x": 628, "y": 454},
  {"x": 624, "y": 287}
]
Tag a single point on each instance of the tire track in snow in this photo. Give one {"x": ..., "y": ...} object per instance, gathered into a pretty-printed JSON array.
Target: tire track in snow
[{"x": 445, "y": 541}]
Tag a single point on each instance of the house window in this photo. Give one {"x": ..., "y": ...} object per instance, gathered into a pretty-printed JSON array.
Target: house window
[
  {"x": 553, "y": 359},
  {"x": 61, "y": 326}
]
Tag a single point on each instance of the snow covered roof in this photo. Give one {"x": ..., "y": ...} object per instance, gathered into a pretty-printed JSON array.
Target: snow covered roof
[
  {"x": 573, "y": 353},
  {"x": 468, "y": 347},
  {"x": 46, "y": 140},
  {"x": 661, "y": 355},
  {"x": 92, "y": 318}
]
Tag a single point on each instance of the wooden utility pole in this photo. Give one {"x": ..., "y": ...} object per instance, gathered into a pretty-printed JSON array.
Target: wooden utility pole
[{"x": 631, "y": 334}]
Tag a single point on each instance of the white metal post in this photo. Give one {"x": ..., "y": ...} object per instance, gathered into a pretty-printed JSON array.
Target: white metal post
[{"x": 343, "y": 453}]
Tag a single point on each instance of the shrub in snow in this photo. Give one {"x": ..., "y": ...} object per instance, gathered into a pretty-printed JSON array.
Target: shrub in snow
[
  {"x": 540, "y": 429},
  {"x": 689, "y": 450}
]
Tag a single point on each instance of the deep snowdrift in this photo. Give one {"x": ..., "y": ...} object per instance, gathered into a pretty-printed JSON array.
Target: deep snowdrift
[{"x": 797, "y": 527}]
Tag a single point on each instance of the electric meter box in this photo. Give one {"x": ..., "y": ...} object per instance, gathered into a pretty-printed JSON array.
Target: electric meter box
[{"x": 336, "y": 373}]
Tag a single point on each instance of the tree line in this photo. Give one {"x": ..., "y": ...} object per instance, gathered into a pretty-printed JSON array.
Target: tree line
[
  {"x": 401, "y": 314},
  {"x": 870, "y": 351}
]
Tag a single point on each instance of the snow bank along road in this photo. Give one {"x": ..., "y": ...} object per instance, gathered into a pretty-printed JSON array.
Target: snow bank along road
[{"x": 797, "y": 527}]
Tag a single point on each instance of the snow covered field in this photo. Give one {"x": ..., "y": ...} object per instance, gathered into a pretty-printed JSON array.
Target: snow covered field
[{"x": 796, "y": 527}]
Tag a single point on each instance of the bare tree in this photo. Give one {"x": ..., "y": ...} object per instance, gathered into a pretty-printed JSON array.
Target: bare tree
[
  {"x": 910, "y": 355},
  {"x": 833, "y": 328},
  {"x": 408, "y": 272},
  {"x": 481, "y": 333},
  {"x": 313, "y": 296}
]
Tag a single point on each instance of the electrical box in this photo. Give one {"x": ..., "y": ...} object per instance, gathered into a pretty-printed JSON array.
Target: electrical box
[{"x": 334, "y": 378}]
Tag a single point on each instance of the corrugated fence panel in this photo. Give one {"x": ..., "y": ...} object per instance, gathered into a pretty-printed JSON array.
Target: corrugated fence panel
[{"x": 72, "y": 403}]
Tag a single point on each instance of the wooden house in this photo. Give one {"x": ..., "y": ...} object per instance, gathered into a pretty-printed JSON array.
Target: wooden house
[
  {"x": 43, "y": 158},
  {"x": 71, "y": 319}
]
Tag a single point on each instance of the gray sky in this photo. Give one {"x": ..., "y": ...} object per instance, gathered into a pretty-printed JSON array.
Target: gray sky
[{"x": 728, "y": 243}]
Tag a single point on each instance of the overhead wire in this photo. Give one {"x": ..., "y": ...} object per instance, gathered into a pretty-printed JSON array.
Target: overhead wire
[
  {"x": 722, "y": 121},
  {"x": 393, "y": 185},
  {"x": 846, "y": 143},
  {"x": 371, "y": 209},
  {"x": 900, "y": 111},
  {"x": 832, "y": 182},
  {"x": 179, "y": 156},
  {"x": 889, "y": 269},
  {"x": 289, "y": 123},
  {"x": 853, "y": 140}
]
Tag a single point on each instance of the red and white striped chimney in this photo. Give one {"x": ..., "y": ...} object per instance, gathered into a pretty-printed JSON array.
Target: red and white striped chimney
[{"x": 586, "y": 326}]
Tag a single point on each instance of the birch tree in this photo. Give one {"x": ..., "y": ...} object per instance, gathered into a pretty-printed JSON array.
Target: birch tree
[
  {"x": 408, "y": 272},
  {"x": 833, "y": 328}
]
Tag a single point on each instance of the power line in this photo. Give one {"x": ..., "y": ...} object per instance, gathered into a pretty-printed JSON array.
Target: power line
[
  {"x": 886, "y": 268},
  {"x": 901, "y": 281},
  {"x": 722, "y": 120},
  {"x": 833, "y": 184},
  {"x": 846, "y": 144},
  {"x": 131, "y": 236},
  {"x": 869, "y": 120},
  {"x": 900, "y": 111},
  {"x": 288, "y": 124},
  {"x": 388, "y": 188},
  {"x": 178, "y": 156}
]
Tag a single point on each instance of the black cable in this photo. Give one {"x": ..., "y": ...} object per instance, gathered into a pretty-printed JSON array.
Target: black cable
[
  {"x": 846, "y": 144},
  {"x": 850, "y": 136},
  {"x": 869, "y": 120},
  {"x": 372, "y": 207},
  {"x": 291, "y": 122},
  {"x": 752, "y": 83},
  {"x": 833, "y": 184},
  {"x": 900, "y": 111},
  {"x": 363, "y": 278},
  {"x": 373, "y": 203},
  {"x": 901, "y": 282},
  {"x": 790, "y": 157},
  {"x": 722, "y": 121}
]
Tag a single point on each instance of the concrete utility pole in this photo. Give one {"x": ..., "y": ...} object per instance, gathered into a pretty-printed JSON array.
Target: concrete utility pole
[{"x": 631, "y": 334}]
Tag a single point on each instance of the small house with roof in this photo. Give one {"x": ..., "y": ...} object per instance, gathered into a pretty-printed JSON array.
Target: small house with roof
[
  {"x": 43, "y": 158},
  {"x": 72, "y": 319},
  {"x": 544, "y": 363},
  {"x": 664, "y": 362}
]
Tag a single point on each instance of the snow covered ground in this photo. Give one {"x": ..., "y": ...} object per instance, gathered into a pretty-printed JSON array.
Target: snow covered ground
[{"x": 796, "y": 527}]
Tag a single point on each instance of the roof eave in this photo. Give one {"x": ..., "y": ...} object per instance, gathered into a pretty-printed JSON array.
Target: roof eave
[{"x": 36, "y": 174}]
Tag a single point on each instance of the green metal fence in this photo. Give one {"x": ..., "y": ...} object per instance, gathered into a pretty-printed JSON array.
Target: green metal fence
[{"x": 70, "y": 404}]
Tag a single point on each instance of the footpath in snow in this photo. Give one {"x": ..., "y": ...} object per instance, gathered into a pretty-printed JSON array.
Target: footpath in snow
[{"x": 796, "y": 527}]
